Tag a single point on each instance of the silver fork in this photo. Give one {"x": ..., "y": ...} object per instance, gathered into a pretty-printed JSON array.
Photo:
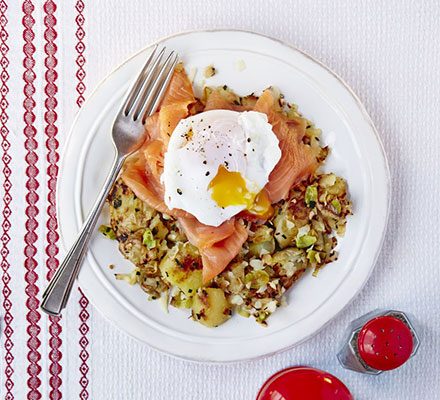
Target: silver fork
[{"x": 142, "y": 100}]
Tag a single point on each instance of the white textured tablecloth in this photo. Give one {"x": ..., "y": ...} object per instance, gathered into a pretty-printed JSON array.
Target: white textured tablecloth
[{"x": 388, "y": 51}]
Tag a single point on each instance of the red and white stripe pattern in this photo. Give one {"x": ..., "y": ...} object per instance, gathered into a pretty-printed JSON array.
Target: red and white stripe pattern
[
  {"x": 42, "y": 357},
  {"x": 83, "y": 301},
  {"x": 34, "y": 357},
  {"x": 52, "y": 237},
  {"x": 32, "y": 202},
  {"x": 8, "y": 331}
]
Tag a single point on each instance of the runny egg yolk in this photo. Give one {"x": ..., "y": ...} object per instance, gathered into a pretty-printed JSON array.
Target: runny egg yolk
[{"x": 229, "y": 189}]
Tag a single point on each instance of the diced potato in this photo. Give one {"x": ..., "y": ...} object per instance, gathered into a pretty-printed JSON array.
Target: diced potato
[
  {"x": 210, "y": 307},
  {"x": 181, "y": 274}
]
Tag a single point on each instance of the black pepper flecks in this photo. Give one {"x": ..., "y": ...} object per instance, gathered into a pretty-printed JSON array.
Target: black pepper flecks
[
  {"x": 179, "y": 191},
  {"x": 205, "y": 162},
  {"x": 248, "y": 139},
  {"x": 207, "y": 173}
]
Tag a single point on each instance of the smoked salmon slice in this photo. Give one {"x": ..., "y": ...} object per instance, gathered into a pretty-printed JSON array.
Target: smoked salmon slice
[
  {"x": 217, "y": 257},
  {"x": 145, "y": 186},
  {"x": 203, "y": 236},
  {"x": 152, "y": 126},
  {"x": 175, "y": 104},
  {"x": 298, "y": 161},
  {"x": 143, "y": 182},
  {"x": 142, "y": 171},
  {"x": 222, "y": 99},
  {"x": 179, "y": 90},
  {"x": 218, "y": 246}
]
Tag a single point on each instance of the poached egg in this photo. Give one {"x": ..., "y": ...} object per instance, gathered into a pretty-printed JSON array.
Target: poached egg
[{"x": 217, "y": 164}]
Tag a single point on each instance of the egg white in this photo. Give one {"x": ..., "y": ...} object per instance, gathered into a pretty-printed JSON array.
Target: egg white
[{"x": 241, "y": 141}]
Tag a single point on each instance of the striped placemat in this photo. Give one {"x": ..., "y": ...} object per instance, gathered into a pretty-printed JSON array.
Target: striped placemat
[{"x": 53, "y": 53}]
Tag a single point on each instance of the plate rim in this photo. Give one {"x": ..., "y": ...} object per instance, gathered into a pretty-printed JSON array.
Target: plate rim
[{"x": 367, "y": 119}]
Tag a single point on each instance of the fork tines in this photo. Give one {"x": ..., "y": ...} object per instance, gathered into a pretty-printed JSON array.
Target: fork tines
[{"x": 147, "y": 91}]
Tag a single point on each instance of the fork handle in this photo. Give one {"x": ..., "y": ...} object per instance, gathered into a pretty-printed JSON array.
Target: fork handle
[{"x": 56, "y": 295}]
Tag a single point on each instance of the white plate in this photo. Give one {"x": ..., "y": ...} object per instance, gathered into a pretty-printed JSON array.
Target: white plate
[{"x": 357, "y": 155}]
